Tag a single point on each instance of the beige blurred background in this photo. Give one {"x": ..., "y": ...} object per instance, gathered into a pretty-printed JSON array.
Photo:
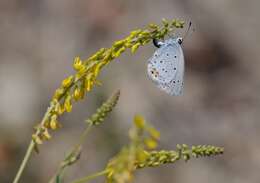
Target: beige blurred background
[{"x": 220, "y": 105}]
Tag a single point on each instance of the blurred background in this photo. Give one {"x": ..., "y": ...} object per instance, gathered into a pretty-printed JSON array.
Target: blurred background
[{"x": 220, "y": 105}]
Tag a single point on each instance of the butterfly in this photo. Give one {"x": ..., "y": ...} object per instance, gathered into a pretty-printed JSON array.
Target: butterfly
[{"x": 166, "y": 67}]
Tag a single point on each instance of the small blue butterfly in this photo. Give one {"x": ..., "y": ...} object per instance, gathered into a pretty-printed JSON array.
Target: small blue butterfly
[{"x": 166, "y": 66}]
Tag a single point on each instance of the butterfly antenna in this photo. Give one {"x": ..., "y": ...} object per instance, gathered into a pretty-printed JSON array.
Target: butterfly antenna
[{"x": 187, "y": 31}]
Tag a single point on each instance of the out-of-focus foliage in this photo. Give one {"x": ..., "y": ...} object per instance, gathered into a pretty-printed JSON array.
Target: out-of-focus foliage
[{"x": 140, "y": 153}]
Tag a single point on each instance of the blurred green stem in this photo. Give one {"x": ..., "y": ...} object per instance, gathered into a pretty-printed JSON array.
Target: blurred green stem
[
  {"x": 74, "y": 151},
  {"x": 90, "y": 177}
]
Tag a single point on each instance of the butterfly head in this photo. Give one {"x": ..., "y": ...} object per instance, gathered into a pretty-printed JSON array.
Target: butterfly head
[{"x": 179, "y": 40}]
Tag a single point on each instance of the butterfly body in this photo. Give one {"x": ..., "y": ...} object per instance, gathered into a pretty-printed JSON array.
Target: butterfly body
[{"x": 166, "y": 66}]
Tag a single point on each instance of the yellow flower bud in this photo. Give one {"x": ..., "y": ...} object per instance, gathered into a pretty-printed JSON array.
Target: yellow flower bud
[
  {"x": 154, "y": 133},
  {"x": 118, "y": 52},
  {"x": 135, "y": 47},
  {"x": 67, "y": 103},
  {"x": 153, "y": 26},
  {"x": 54, "y": 124},
  {"x": 139, "y": 121},
  {"x": 67, "y": 82},
  {"x": 98, "y": 67},
  {"x": 150, "y": 143},
  {"x": 46, "y": 135},
  {"x": 119, "y": 43},
  {"x": 76, "y": 94},
  {"x": 77, "y": 64},
  {"x": 58, "y": 93}
]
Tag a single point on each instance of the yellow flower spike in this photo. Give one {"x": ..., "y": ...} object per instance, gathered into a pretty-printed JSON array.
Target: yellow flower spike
[
  {"x": 67, "y": 103},
  {"x": 135, "y": 47},
  {"x": 139, "y": 121},
  {"x": 67, "y": 82}
]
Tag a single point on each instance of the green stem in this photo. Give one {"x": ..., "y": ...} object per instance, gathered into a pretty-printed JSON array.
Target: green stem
[
  {"x": 83, "y": 135},
  {"x": 24, "y": 162},
  {"x": 90, "y": 177},
  {"x": 61, "y": 170},
  {"x": 30, "y": 149}
]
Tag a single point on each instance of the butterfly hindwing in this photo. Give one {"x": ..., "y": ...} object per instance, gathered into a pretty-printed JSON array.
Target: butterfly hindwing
[
  {"x": 172, "y": 56},
  {"x": 162, "y": 67}
]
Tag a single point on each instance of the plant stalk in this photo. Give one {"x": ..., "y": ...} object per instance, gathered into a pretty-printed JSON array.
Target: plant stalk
[
  {"x": 90, "y": 177},
  {"x": 30, "y": 149}
]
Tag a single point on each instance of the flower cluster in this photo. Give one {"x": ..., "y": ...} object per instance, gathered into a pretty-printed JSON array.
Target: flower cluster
[
  {"x": 75, "y": 87},
  {"x": 157, "y": 158},
  {"x": 120, "y": 169},
  {"x": 140, "y": 154},
  {"x": 103, "y": 110}
]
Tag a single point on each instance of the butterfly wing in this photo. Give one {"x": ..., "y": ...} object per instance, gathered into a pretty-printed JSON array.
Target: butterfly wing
[
  {"x": 162, "y": 67},
  {"x": 175, "y": 86}
]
